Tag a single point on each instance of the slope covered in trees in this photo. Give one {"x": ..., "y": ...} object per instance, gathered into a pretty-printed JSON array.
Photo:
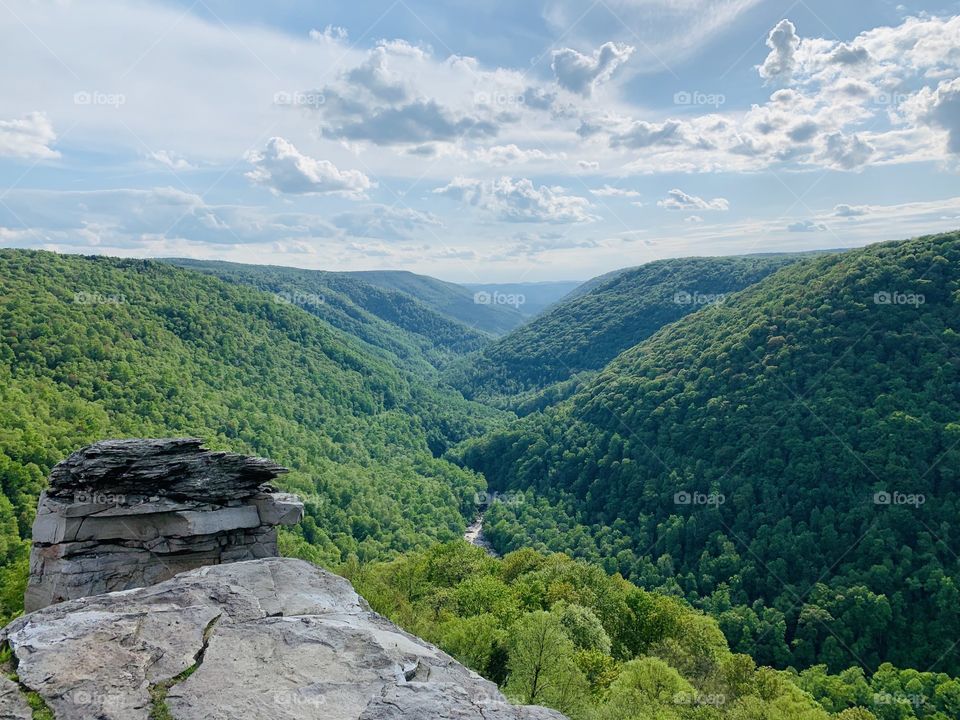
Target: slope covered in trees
[
  {"x": 788, "y": 460},
  {"x": 562, "y": 633},
  {"x": 454, "y": 300},
  {"x": 587, "y": 331},
  {"x": 93, "y": 348},
  {"x": 416, "y": 334}
]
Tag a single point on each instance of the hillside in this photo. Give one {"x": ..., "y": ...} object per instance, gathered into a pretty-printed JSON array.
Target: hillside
[
  {"x": 586, "y": 332},
  {"x": 94, "y": 348},
  {"x": 391, "y": 320},
  {"x": 455, "y": 301},
  {"x": 787, "y": 460}
]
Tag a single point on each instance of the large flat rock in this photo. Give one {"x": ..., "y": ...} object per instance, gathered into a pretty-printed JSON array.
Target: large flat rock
[{"x": 277, "y": 639}]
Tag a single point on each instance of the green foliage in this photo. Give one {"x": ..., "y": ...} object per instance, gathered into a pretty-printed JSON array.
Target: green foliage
[
  {"x": 563, "y": 633},
  {"x": 586, "y": 331},
  {"x": 93, "y": 348},
  {"x": 382, "y": 317},
  {"x": 795, "y": 402}
]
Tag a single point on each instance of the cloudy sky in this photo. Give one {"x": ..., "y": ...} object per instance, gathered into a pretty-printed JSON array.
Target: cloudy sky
[{"x": 476, "y": 141}]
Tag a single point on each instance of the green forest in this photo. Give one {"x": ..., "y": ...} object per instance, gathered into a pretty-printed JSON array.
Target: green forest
[
  {"x": 588, "y": 330},
  {"x": 722, "y": 488},
  {"x": 95, "y": 348},
  {"x": 560, "y": 632},
  {"x": 786, "y": 460}
]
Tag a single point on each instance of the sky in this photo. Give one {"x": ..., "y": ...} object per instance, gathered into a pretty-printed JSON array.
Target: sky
[{"x": 477, "y": 142}]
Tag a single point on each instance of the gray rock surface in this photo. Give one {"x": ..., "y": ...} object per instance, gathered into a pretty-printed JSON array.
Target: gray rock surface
[
  {"x": 277, "y": 639},
  {"x": 121, "y": 514},
  {"x": 13, "y": 706}
]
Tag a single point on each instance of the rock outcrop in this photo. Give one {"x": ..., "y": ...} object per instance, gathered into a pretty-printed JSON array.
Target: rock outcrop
[
  {"x": 122, "y": 514},
  {"x": 277, "y": 639}
]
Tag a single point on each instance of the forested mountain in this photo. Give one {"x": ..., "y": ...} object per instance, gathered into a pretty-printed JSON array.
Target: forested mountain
[
  {"x": 788, "y": 460},
  {"x": 529, "y": 298},
  {"x": 94, "y": 348},
  {"x": 456, "y": 301},
  {"x": 389, "y": 319},
  {"x": 586, "y": 332}
]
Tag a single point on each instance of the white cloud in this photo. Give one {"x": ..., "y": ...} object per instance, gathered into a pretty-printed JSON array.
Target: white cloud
[
  {"x": 610, "y": 191},
  {"x": 806, "y": 226},
  {"x": 28, "y": 137},
  {"x": 783, "y": 43},
  {"x": 283, "y": 169},
  {"x": 171, "y": 160},
  {"x": 499, "y": 155},
  {"x": 666, "y": 31},
  {"x": 580, "y": 73},
  {"x": 844, "y": 210},
  {"x": 679, "y": 200},
  {"x": 519, "y": 200},
  {"x": 941, "y": 108}
]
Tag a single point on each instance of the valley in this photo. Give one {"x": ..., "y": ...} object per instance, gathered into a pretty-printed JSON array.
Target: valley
[{"x": 725, "y": 449}]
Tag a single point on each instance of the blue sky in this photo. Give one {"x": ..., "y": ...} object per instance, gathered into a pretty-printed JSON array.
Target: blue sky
[{"x": 477, "y": 142}]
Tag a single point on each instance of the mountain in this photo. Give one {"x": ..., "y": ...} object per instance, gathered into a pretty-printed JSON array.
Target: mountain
[
  {"x": 585, "y": 332},
  {"x": 788, "y": 460},
  {"x": 409, "y": 329},
  {"x": 530, "y": 298},
  {"x": 455, "y": 301},
  {"x": 96, "y": 348}
]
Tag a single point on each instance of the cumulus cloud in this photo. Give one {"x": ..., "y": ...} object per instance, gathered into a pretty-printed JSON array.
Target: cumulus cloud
[
  {"x": 374, "y": 75},
  {"x": 941, "y": 108},
  {"x": 783, "y": 42},
  {"x": 806, "y": 226},
  {"x": 519, "y": 200},
  {"x": 642, "y": 134},
  {"x": 844, "y": 210},
  {"x": 284, "y": 169},
  {"x": 28, "y": 137},
  {"x": 679, "y": 200},
  {"x": 385, "y": 223},
  {"x": 417, "y": 122},
  {"x": 581, "y": 73},
  {"x": 846, "y": 152}
]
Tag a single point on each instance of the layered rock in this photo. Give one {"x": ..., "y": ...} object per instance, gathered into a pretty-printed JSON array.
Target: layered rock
[
  {"x": 275, "y": 639},
  {"x": 122, "y": 514}
]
